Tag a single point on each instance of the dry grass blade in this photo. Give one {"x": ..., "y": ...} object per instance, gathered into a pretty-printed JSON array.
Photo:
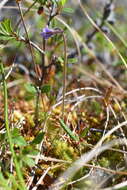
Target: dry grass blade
[
  {"x": 91, "y": 75},
  {"x": 85, "y": 158},
  {"x": 118, "y": 186},
  {"x": 72, "y": 31},
  {"x": 3, "y": 3}
]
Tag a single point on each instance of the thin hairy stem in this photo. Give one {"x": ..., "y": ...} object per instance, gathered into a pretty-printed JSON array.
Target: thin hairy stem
[
  {"x": 43, "y": 61},
  {"x": 28, "y": 40},
  {"x": 64, "y": 74}
]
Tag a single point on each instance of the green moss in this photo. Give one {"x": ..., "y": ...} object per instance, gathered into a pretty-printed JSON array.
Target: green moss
[{"x": 63, "y": 151}]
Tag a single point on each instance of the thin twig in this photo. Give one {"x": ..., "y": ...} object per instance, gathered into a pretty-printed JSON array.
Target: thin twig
[
  {"x": 30, "y": 47},
  {"x": 41, "y": 178},
  {"x": 82, "y": 178},
  {"x": 28, "y": 9},
  {"x": 106, "y": 169},
  {"x": 22, "y": 39}
]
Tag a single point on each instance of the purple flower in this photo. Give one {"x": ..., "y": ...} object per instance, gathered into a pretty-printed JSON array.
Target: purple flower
[{"x": 47, "y": 32}]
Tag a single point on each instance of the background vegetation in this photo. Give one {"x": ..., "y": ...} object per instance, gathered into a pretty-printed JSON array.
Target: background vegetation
[{"x": 63, "y": 95}]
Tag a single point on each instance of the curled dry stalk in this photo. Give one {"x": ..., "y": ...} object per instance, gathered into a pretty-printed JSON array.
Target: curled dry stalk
[{"x": 17, "y": 167}]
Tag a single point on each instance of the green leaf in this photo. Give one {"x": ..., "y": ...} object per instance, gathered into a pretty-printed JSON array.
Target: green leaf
[
  {"x": 122, "y": 188},
  {"x": 2, "y": 137},
  {"x": 15, "y": 132},
  {"x": 41, "y": 2},
  {"x": 62, "y": 2},
  {"x": 60, "y": 59},
  {"x": 28, "y": 161},
  {"x": 29, "y": 149},
  {"x": 72, "y": 60},
  {"x": 38, "y": 138},
  {"x": 19, "y": 141},
  {"x": 46, "y": 88},
  {"x": 68, "y": 10},
  {"x": 84, "y": 132},
  {"x": 30, "y": 88},
  {"x": 68, "y": 131},
  {"x": 6, "y": 31},
  {"x": 6, "y": 25},
  {"x": 4, "y": 182},
  {"x": 6, "y": 38},
  {"x": 96, "y": 107}
]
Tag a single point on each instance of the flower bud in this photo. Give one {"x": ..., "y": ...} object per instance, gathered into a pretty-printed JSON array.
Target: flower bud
[{"x": 40, "y": 10}]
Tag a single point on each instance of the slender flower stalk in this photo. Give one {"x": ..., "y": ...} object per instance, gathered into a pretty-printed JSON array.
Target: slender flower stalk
[
  {"x": 64, "y": 73},
  {"x": 46, "y": 34}
]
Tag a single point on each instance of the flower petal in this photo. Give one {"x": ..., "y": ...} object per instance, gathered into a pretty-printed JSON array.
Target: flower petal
[{"x": 47, "y": 32}]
